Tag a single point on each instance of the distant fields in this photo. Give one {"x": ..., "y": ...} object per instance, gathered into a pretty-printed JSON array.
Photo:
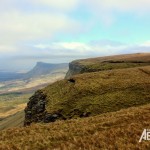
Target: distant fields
[
  {"x": 15, "y": 94},
  {"x": 9, "y": 102},
  {"x": 29, "y": 85},
  {"x": 12, "y": 109}
]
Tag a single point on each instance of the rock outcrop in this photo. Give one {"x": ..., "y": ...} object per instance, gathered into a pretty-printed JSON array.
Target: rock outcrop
[
  {"x": 36, "y": 110},
  {"x": 74, "y": 68}
]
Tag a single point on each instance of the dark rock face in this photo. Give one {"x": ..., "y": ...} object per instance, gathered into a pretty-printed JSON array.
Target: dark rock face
[
  {"x": 50, "y": 117},
  {"x": 74, "y": 68},
  {"x": 35, "y": 110}
]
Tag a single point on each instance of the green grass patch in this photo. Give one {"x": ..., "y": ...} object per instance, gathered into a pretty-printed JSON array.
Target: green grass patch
[{"x": 99, "y": 92}]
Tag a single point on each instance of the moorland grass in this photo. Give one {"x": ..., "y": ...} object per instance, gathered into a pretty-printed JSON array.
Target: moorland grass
[
  {"x": 99, "y": 92},
  {"x": 119, "y": 130}
]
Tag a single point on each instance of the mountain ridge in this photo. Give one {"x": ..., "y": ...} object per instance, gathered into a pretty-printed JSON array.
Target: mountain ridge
[
  {"x": 108, "y": 63},
  {"x": 41, "y": 68}
]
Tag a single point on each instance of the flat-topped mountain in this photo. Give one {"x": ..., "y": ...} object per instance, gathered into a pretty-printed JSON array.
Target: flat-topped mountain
[
  {"x": 40, "y": 68},
  {"x": 108, "y": 63},
  {"x": 45, "y": 68}
]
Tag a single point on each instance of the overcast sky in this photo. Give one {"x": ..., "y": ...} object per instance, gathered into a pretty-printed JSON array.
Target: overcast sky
[{"x": 63, "y": 30}]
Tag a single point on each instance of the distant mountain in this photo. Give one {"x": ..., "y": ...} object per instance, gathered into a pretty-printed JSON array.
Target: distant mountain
[
  {"x": 45, "y": 68},
  {"x": 41, "y": 68}
]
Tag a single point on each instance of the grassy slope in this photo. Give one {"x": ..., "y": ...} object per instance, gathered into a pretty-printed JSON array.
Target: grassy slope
[
  {"x": 12, "y": 110},
  {"x": 139, "y": 57},
  {"x": 99, "y": 92},
  {"x": 117, "y": 130},
  {"x": 10, "y": 102},
  {"x": 15, "y": 120},
  {"x": 117, "y": 62}
]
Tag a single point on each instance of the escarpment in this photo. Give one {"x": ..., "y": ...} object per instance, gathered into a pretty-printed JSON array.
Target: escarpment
[{"x": 108, "y": 63}]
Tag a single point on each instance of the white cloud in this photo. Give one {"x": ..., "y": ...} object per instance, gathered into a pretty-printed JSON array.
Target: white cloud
[
  {"x": 95, "y": 49},
  {"x": 146, "y": 44},
  {"x": 64, "y": 5},
  {"x": 65, "y": 48},
  {"x": 19, "y": 26},
  {"x": 107, "y": 11},
  {"x": 7, "y": 48},
  {"x": 103, "y": 47},
  {"x": 16, "y": 26},
  {"x": 136, "y": 6}
]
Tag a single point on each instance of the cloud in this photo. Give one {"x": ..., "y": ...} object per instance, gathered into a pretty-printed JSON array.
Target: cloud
[
  {"x": 93, "y": 48},
  {"x": 62, "y": 5},
  {"x": 32, "y": 23},
  {"x": 65, "y": 48},
  {"x": 108, "y": 11},
  {"x": 145, "y": 44},
  {"x": 109, "y": 6},
  {"x": 7, "y": 48},
  {"x": 19, "y": 26}
]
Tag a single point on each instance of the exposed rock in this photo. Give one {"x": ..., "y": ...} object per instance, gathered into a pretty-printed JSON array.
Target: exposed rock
[
  {"x": 35, "y": 110},
  {"x": 74, "y": 68},
  {"x": 71, "y": 80},
  {"x": 50, "y": 117}
]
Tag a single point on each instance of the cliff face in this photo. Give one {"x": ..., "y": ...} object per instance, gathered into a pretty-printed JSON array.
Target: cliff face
[
  {"x": 74, "y": 68},
  {"x": 108, "y": 63},
  {"x": 36, "y": 110}
]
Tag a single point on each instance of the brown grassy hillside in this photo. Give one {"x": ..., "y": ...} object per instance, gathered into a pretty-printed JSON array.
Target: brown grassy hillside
[
  {"x": 91, "y": 94},
  {"x": 110, "y": 131},
  {"x": 137, "y": 57}
]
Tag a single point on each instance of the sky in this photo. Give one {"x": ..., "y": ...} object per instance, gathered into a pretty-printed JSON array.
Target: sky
[{"x": 58, "y": 31}]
